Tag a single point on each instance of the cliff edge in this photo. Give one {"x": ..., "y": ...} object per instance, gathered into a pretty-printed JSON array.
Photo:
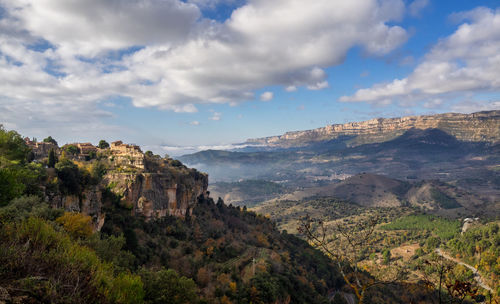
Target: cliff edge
[{"x": 475, "y": 127}]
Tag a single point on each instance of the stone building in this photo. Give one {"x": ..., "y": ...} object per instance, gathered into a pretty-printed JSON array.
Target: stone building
[
  {"x": 40, "y": 149},
  {"x": 86, "y": 148},
  {"x": 128, "y": 155}
]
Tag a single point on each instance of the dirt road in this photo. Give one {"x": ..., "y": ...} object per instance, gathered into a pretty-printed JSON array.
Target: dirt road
[{"x": 479, "y": 279}]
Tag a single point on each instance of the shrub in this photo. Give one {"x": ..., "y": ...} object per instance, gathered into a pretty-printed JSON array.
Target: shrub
[
  {"x": 76, "y": 224},
  {"x": 71, "y": 273},
  {"x": 166, "y": 286}
]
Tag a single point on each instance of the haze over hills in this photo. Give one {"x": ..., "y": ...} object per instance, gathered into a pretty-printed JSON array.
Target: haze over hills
[{"x": 459, "y": 149}]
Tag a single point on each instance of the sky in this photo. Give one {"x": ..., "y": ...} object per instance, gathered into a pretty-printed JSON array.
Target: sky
[{"x": 179, "y": 76}]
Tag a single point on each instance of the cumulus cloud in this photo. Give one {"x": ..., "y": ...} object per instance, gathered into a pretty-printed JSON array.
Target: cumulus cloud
[
  {"x": 417, "y": 6},
  {"x": 266, "y": 96},
  {"x": 91, "y": 26},
  {"x": 195, "y": 123},
  {"x": 164, "y": 54},
  {"x": 467, "y": 61}
]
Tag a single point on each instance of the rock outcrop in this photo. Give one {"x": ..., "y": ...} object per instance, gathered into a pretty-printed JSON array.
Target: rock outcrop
[
  {"x": 155, "y": 195},
  {"x": 476, "y": 127},
  {"x": 149, "y": 186}
]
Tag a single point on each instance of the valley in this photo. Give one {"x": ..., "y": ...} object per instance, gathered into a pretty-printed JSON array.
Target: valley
[{"x": 418, "y": 176}]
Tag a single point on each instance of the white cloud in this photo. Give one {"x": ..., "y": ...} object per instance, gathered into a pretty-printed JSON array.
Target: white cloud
[
  {"x": 266, "y": 96},
  {"x": 469, "y": 106},
  {"x": 162, "y": 53},
  {"x": 91, "y": 26},
  {"x": 291, "y": 88},
  {"x": 416, "y": 7},
  {"x": 195, "y": 123},
  {"x": 466, "y": 61},
  {"x": 216, "y": 116}
]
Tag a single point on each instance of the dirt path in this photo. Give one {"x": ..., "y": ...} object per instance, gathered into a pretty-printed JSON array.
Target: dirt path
[{"x": 477, "y": 276}]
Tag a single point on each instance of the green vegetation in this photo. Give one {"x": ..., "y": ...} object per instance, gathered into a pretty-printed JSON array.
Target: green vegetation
[
  {"x": 52, "y": 160},
  {"x": 480, "y": 246},
  {"x": 443, "y": 228},
  {"x": 216, "y": 254},
  {"x": 50, "y": 140},
  {"x": 444, "y": 200},
  {"x": 103, "y": 144},
  {"x": 71, "y": 149}
]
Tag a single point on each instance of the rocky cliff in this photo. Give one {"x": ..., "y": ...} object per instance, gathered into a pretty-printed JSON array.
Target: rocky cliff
[
  {"x": 481, "y": 126},
  {"x": 155, "y": 195},
  {"x": 149, "y": 186}
]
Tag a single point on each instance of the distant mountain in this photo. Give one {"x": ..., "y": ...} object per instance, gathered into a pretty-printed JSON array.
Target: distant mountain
[
  {"x": 463, "y": 150},
  {"x": 475, "y": 127}
]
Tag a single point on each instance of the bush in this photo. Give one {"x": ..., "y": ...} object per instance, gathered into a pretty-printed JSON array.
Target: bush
[
  {"x": 76, "y": 224},
  {"x": 166, "y": 286},
  {"x": 69, "y": 175},
  {"x": 103, "y": 144},
  {"x": 71, "y": 273},
  {"x": 26, "y": 206}
]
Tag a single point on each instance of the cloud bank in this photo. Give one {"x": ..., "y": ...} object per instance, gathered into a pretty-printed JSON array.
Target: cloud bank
[{"x": 73, "y": 54}]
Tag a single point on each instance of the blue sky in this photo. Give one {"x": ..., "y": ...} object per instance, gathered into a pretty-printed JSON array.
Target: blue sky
[{"x": 215, "y": 72}]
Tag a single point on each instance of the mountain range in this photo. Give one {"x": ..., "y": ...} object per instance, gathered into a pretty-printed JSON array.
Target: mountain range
[{"x": 462, "y": 150}]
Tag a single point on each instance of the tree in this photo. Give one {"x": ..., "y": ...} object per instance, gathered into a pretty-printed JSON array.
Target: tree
[
  {"x": 69, "y": 175},
  {"x": 149, "y": 153},
  {"x": 439, "y": 273},
  {"x": 50, "y": 140},
  {"x": 12, "y": 147},
  {"x": 386, "y": 256},
  {"x": 347, "y": 245},
  {"x": 166, "y": 286},
  {"x": 72, "y": 149},
  {"x": 76, "y": 224},
  {"x": 52, "y": 159},
  {"x": 10, "y": 185},
  {"x": 103, "y": 144}
]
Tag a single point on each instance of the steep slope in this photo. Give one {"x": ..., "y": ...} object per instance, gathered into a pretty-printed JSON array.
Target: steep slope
[{"x": 154, "y": 221}]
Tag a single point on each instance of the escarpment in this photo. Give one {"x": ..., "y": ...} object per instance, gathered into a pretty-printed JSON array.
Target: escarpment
[
  {"x": 146, "y": 184},
  {"x": 476, "y": 127},
  {"x": 155, "y": 195}
]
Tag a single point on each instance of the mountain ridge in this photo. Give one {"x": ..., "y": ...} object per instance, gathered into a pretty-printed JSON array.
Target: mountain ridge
[{"x": 478, "y": 126}]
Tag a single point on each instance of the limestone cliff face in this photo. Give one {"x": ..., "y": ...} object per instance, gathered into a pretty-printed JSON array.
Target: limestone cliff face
[
  {"x": 89, "y": 202},
  {"x": 481, "y": 126},
  {"x": 155, "y": 195}
]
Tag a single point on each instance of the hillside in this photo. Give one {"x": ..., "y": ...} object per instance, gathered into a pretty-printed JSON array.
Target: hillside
[
  {"x": 246, "y": 192},
  {"x": 115, "y": 225},
  {"x": 370, "y": 190},
  {"x": 416, "y": 155},
  {"x": 475, "y": 127}
]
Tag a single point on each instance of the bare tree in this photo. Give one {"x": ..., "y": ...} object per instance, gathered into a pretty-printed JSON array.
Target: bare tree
[{"x": 348, "y": 245}]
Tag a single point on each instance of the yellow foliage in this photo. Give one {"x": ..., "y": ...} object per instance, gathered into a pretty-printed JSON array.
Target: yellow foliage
[
  {"x": 225, "y": 300},
  {"x": 262, "y": 240},
  {"x": 76, "y": 224},
  {"x": 233, "y": 286}
]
